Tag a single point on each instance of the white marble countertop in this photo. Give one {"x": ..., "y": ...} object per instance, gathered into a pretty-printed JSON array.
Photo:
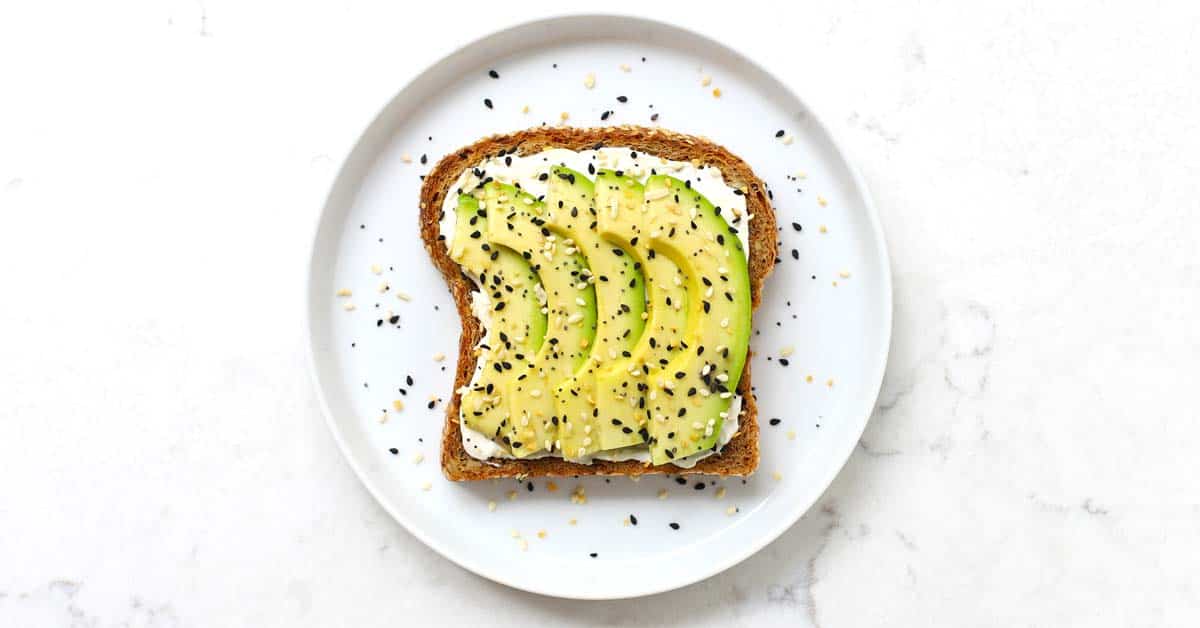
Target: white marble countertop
[{"x": 1031, "y": 460}]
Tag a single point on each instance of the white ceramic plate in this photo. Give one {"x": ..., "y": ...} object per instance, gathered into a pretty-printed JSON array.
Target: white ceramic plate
[{"x": 361, "y": 359}]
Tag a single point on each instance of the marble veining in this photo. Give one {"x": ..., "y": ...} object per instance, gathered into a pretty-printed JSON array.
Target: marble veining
[{"x": 1030, "y": 460}]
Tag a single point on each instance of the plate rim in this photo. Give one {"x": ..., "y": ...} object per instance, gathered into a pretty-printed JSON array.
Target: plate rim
[{"x": 757, "y": 542}]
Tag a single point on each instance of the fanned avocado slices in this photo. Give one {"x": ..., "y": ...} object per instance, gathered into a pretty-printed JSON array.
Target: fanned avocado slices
[{"x": 620, "y": 315}]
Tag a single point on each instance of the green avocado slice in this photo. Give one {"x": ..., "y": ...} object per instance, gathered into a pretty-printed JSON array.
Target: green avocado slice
[
  {"x": 690, "y": 398},
  {"x": 587, "y": 424},
  {"x": 517, "y": 327},
  {"x": 666, "y": 291},
  {"x": 518, "y": 221}
]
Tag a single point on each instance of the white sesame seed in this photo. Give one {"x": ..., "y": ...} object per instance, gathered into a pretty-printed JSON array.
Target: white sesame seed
[
  {"x": 720, "y": 494},
  {"x": 376, "y": 268},
  {"x": 732, "y": 510},
  {"x": 787, "y": 351},
  {"x": 406, "y": 158},
  {"x": 403, "y": 296},
  {"x": 349, "y": 307},
  {"x": 397, "y": 404},
  {"x": 344, "y": 292},
  {"x": 418, "y": 459},
  {"x": 426, "y": 486},
  {"x": 491, "y": 506},
  {"x": 705, "y": 81},
  {"x": 580, "y": 302},
  {"x": 725, "y": 322},
  {"x": 662, "y": 493},
  {"x": 788, "y": 139},
  {"x": 535, "y": 393},
  {"x": 777, "y": 476},
  {"x": 589, "y": 81}
]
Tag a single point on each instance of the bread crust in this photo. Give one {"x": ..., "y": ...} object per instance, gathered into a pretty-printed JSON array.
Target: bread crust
[{"x": 739, "y": 457}]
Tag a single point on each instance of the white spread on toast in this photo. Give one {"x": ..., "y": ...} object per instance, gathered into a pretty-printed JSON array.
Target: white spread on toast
[{"x": 524, "y": 171}]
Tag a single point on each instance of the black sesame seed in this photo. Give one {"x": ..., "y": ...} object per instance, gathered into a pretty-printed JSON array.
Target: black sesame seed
[
  {"x": 394, "y": 319},
  {"x": 494, "y": 74},
  {"x": 783, "y": 361},
  {"x": 779, "y": 133},
  {"x": 654, "y": 118},
  {"x": 487, "y": 102},
  {"x": 593, "y": 554},
  {"x": 775, "y": 421},
  {"x": 795, "y": 254},
  {"x": 633, "y": 519},
  {"x": 622, "y": 99},
  {"x": 796, "y": 226},
  {"x": 393, "y": 450},
  {"x": 680, "y": 481},
  {"x": 699, "y": 486},
  {"x": 424, "y": 159},
  {"x": 529, "y": 485},
  {"x": 674, "y": 526},
  {"x": 409, "y": 380}
]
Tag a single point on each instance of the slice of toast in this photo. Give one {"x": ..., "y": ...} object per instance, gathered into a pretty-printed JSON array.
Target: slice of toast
[{"x": 739, "y": 457}]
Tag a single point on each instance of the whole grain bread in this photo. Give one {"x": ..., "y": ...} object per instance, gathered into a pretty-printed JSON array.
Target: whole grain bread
[{"x": 739, "y": 457}]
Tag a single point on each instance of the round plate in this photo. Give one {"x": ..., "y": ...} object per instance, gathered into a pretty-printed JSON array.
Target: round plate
[{"x": 829, "y": 300}]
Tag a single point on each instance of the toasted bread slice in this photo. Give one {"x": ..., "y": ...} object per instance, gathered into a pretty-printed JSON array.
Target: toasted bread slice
[{"x": 739, "y": 457}]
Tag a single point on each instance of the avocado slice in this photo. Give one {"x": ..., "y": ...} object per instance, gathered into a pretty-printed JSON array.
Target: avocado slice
[
  {"x": 621, "y": 218},
  {"x": 690, "y": 398},
  {"x": 517, "y": 327},
  {"x": 589, "y": 425},
  {"x": 519, "y": 222}
]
